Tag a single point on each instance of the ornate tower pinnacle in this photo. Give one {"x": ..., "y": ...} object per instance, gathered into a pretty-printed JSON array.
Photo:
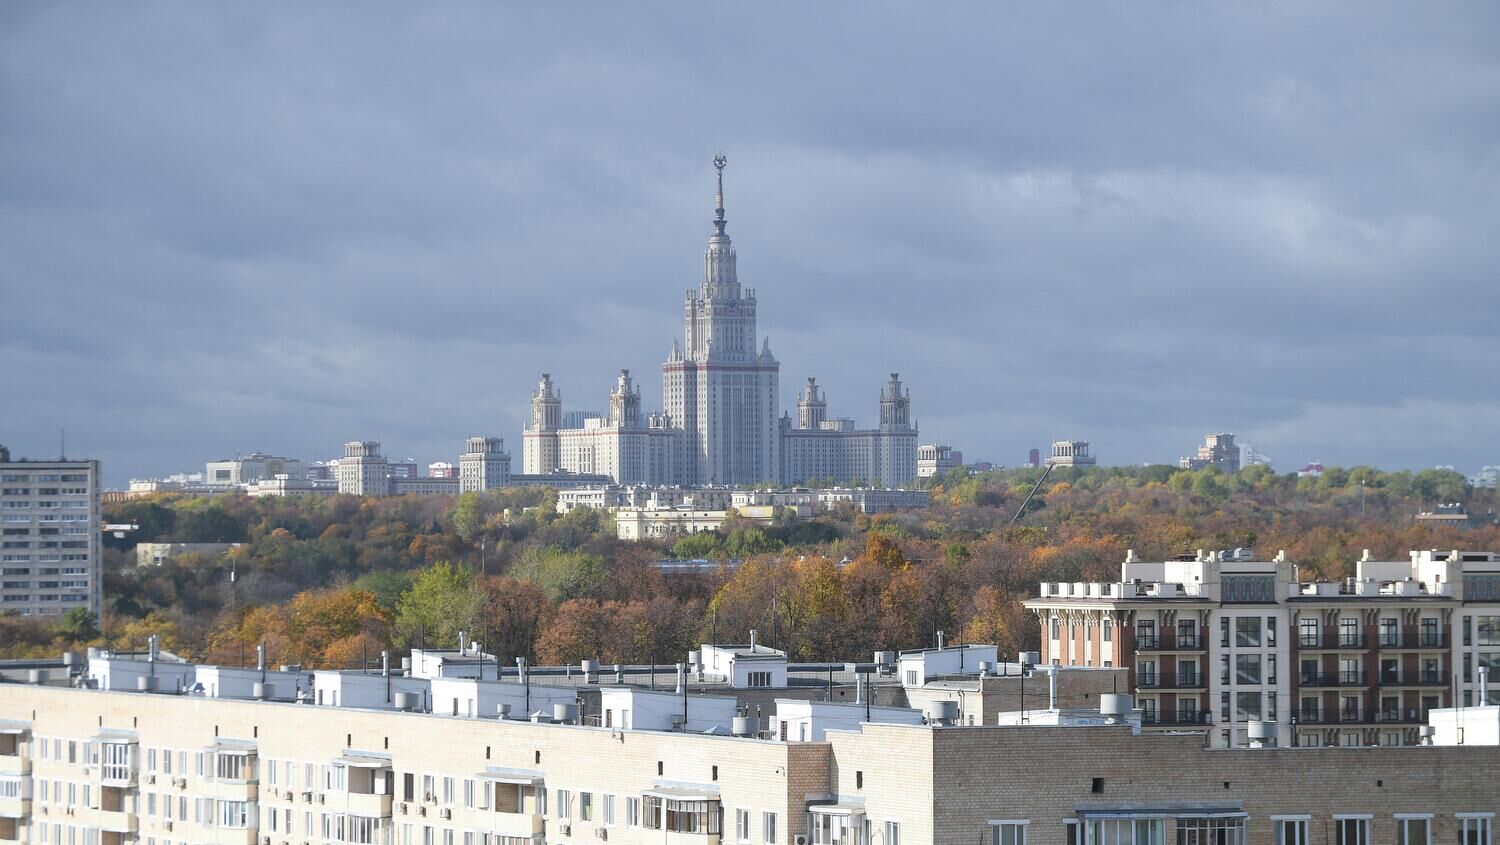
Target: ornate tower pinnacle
[{"x": 719, "y": 163}]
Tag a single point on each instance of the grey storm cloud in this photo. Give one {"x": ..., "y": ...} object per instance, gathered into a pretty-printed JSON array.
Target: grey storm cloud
[{"x": 280, "y": 227}]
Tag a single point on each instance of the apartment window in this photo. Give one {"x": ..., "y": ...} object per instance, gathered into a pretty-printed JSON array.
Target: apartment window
[
  {"x": 1413, "y": 829},
  {"x": 1008, "y": 832},
  {"x": 1145, "y": 633},
  {"x": 1125, "y": 832},
  {"x": 1146, "y": 673},
  {"x": 742, "y": 826},
  {"x": 1474, "y": 828},
  {"x": 1247, "y": 707},
  {"x": 1271, "y": 631},
  {"x": 768, "y": 829},
  {"x": 1271, "y": 706},
  {"x": 1307, "y": 633},
  {"x": 449, "y": 789},
  {"x": 1352, "y": 830},
  {"x": 1202, "y": 831},
  {"x": 1106, "y": 631},
  {"x": 1430, "y": 636},
  {"x": 1056, "y": 627},
  {"x": 1247, "y": 669},
  {"x": 760, "y": 679},
  {"x": 468, "y": 793},
  {"x": 586, "y": 806},
  {"x": 235, "y": 766},
  {"x": 1390, "y": 631},
  {"x": 1187, "y": 633},
  {"x": 609, "y": 810},
  {"x": 633, "y": 812},
  {"x": 1247, "y": 631},
  {"x": 234, "y": 814},
  {"x": 564, "y": 804},
  {"x": 1349, "y": 632},
  {"x": 1290, "y": 830}
]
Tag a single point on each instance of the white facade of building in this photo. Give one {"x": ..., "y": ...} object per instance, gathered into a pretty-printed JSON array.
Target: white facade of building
[
  {"x": 363, "y": 471},
  {"x": 50, "y": 518},
  {"x": 248, "y": 469},
  {"x": 484, "y": 465}
]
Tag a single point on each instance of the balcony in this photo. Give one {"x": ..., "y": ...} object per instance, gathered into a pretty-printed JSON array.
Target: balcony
[
  {"x": 1332, "y": 641},
  {"x": 1180, "y": 681},
  {"x": 1195, "y": 718},
  {"x": 117, "y": 821},
  {"x": 229, "y": 790},
  {"x": 1170, "y": 642},
  {"x": 14, "y": 764},
  {"x": 370, "y": 805},
  {"x": 1332, "y": 679},
  {"x": 520, "y": 825},
  {"x": 15, "y": 808},
  {"x": 1343, "y": 717},
  {"x": 1414, "y": 679},
  {"x": 1414, "y": 642}
]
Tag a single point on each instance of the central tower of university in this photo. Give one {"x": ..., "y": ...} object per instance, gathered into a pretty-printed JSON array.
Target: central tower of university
[
  {"x": 717, "y": 386},
  {"x": 720, "y": 423}
]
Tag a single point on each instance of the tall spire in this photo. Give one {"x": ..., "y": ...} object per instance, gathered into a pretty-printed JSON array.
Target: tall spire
[{"x": 719, "y": 162}]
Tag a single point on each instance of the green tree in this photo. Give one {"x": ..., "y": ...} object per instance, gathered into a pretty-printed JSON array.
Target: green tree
[
  {"x": 79, "y": 625},
  {"x": 562, "y": 575},
  {"x": 700, "y": 546},
  {"x": 209, "y": 525},
  {"x": 442, "y": 601},
  {"x": 386, "y": 585}
]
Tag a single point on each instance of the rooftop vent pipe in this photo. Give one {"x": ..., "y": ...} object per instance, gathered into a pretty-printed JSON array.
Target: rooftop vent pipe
[
  {"x": 752, "y": 639},
  {"x": 260, "y": 657},
  {"x": 940, "y": 640},
  {"x": 681, "y": 678}
]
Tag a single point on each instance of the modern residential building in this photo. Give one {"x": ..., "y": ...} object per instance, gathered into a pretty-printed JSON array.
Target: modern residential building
[
  {"x": 1070, "y": 453},
  {"x": 937, "y": 459},
  {"x": 720, "y": 424},
  {"x": 50, "y": 521},
  {"x": 1223, "y": 641},
  {"x": 1249, "y": 457},
  {"x": 117, "y": 766},
  {"x": 1218, "y": 450},
  {"x": 484, "y": 465}
]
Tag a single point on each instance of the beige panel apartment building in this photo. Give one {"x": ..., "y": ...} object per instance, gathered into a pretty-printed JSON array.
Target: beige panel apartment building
[
  {"x": 50, "y": 521},
  {"x": 92, "y": 767}
]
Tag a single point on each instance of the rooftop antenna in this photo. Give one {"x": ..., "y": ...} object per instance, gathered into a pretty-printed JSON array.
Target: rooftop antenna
[{"x": 62, "y": 444}]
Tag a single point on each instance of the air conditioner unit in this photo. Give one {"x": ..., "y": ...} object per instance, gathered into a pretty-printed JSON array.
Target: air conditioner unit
[
  {"x": 150, "y": 778},
  {"x": 167, "y": 825},
  {"x": 180, "y": 783},
  {"x": 565, "y": 829},
  {"x": 404, "y": 809},
  {"x": 422, "y": 810},
  {"x": 307, "y": 797},
  {"x": 320, "y": 797},
  {"x": 602, "y": 833},
  {"x": 799, "y": 839},
  {"x": 265, "y": 840},
  {"x": 445, "y": 813}
]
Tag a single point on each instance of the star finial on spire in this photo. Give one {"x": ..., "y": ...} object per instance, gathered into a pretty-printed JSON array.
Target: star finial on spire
[{"x": 719, "y": 162}]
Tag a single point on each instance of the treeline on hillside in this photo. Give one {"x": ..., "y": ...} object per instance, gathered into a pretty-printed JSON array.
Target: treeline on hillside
[{"x": 326, "y": 580}]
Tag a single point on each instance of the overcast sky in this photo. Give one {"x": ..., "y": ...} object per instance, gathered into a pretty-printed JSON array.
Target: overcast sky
[{"x": 283, "y": 228}]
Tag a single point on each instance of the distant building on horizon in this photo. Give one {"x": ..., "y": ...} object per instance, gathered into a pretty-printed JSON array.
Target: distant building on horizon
[
  {"x": 1034, "y": 459},
  {"x": 1250, "y": 458},
  {"x": 720, "y": 423},
  {"x": 247, "y": 469},
  {"x": 937, "y": 459},
  {"x": 1071, "y": 453},
  {"x": 1218, "y": 450}
]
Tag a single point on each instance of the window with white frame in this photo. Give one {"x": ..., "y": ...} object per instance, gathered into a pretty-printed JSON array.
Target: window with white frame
[
  {"x": 1128, "y": 831},
  {"x": 609, "y": 810},
  {"x": 1474, "y": 828},
  {"x": 633, "y": 812},
  {"x": 1210, "y": 830},
  {"x": 116, "y": 757},
  {"x": 564, "y": 804},
  {"x": 893, "y": 832},
  {"x": 1291, "y": 830},
  {"x": 768, "y": 828},
  {"x": 1413, "y": 829},
  {"x": 1352, "y": 830},
  {"x": 1008, "y": 832},
  {"x": 235, "y": 814},
  {"x": 742, "y": 825}
]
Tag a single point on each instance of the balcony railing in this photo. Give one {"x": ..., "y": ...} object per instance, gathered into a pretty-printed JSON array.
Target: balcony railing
[
  {"x": 1333, "y": 679},
  {"x": 1332, "y": 640},
  {"x": 1170, "y": 642},
  {"x": 1404, "y": 640},
  {"x": 1195, "y": 717},
  {"x": 1349, "y": 717},
  {"x": 1182, "y": 680},
  {"x": 1414, "y": 679}
]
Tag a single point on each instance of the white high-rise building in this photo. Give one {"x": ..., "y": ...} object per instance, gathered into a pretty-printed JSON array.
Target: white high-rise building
[
  {"x": 484, "y": 465},
  {"x": 363, "y": 471},
  {"x": 50, "y": 519},
  {"x": 722, "y": 423}
]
